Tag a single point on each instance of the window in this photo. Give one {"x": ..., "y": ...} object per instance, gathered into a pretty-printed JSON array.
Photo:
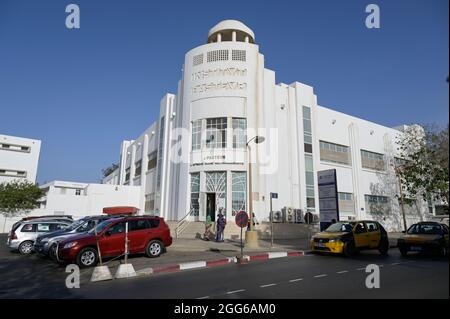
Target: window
[
  {"x": 309, "y": 177},
  {"x": 360, "y": 228},
  {"x": 154, "y": 222},
  {"x": 198, "y": 59},
  {"x": 118, "y": 228},
  {"x": 78, "y": 192},
  {"x": 151, "y": 161},
  {"x": 372, "y": 160},
  {"x": 307, "y": 129},
  {"x": 239, "y": 133},
  {"x": 136, "y": 225},
  {"x": 372, "y": 226},
  {"x": 28, "y": 228},
  {"x": 334, "y": 153},
  {"x": 216, "y": 132},
  {"x": 127, "y": 175},
  {"x": 195, "y": 193},
  {"x": 196, "y": 135},
  {"x": 43, "y": 228},
  {"x": 138, "y": 168},
  {"x": 377, "y": 204},
  {"x": 346, "y": 196},
  {"x": 239, "y": 191},
  {"x": 150, "y": 203},
  {"x": 160, "y": 151}
]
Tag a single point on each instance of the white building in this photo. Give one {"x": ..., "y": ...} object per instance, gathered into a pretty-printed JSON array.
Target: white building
[
  {"x": 194, "y": 159},
  {"x": 79, "y": 200},
  {"x": 18, "y": 158}
]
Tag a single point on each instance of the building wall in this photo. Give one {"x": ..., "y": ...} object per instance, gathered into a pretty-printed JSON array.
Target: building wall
[{"x": 18, "y": 158}]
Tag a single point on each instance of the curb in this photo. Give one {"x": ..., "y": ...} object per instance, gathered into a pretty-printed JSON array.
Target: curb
[{"x": 209, "y": 264}]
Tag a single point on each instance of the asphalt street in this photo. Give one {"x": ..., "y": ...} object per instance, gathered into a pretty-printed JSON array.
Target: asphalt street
[{"x": 312, "y": 276}]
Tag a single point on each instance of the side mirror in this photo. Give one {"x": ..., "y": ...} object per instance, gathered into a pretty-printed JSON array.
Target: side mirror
[{"x": 403, "y": 231}]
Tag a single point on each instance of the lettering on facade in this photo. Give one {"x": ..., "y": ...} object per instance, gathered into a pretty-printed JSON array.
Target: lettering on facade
[
  {"x": 221, "y": 85},
  {"x": 214, "y": 157},
  {"x": 217, "y": 72},
  {"x": 207, "y": 87}
]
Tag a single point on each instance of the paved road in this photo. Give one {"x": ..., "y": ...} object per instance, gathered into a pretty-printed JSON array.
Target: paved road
[{"x": 295, "y": 277}]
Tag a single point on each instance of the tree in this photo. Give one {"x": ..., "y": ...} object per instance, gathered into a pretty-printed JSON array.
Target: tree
[
  {"x": 18, "y": 197},
  {"x": 424, "y": 166}
]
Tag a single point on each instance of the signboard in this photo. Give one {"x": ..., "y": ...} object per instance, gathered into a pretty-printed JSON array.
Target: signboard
[
  {"x": 273, "y": 195},
  {"x": 328, "y": 198},
  {"x": 241, "y": 219}
]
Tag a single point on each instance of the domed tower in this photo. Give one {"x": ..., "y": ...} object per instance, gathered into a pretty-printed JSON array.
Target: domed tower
[{"x": 220, "y": 94}]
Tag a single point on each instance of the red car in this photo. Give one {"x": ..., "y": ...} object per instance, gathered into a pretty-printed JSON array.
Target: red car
[{"x": 149, "y": 235}]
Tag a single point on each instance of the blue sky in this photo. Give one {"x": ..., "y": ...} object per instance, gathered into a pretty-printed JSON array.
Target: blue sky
[{"x": 84, "y": 91}]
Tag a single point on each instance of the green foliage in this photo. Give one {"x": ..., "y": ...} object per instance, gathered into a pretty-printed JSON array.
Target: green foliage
[
  {"x": 425, "y": 169},
  {"x": 18, "y": 197}
]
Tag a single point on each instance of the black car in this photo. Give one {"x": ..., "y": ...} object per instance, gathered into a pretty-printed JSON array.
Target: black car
[{"x": 47, "y": 243}]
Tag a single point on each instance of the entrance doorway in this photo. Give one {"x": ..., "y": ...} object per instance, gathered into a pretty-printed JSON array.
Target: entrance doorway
[{"x": 211, "y": 206}]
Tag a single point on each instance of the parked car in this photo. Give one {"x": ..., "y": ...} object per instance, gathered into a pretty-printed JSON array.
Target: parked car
[
  {"x": 425, "y": 237},
  {"x": 23, "y": 235},
  {"x": 146, "y": 234},
  {"x": 349, "y": 238},
  {"x": 46, "y": 243},
  {"x": 59, "y": 218}
]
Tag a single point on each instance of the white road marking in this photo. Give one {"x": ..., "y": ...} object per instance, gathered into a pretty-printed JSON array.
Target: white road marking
[
  {"x": 235, "y": 291},
  {"x": 206, "y": 297},
  {"x": 342, "y": 272},
  {"x": 294, "y": 280},
  {"x": 395, "y": 264},
  {"x": 320, "y": 276},
  {"x": 362, "y": 268},
  {"x": 268, "y": 285}
]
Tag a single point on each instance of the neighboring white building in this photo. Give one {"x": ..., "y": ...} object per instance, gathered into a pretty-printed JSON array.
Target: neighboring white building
[
  {"x": 18, "y": 158},
  {"x": 194, "y": 157},
  {"x": 79, "y": 200}
]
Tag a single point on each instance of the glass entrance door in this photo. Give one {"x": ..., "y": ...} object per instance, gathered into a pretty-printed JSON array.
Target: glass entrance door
[{"x": 211, "y": 206}]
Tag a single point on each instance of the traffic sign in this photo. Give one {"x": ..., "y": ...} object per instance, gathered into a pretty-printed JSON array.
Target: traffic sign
[
  {"x": 241, "y": 219},
  {"x": 273, "y": 195}
]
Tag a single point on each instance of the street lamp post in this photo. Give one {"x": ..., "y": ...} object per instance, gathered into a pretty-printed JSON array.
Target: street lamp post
[{"x": 251, "y": 237}]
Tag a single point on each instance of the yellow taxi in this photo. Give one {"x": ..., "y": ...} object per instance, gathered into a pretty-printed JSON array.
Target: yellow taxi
[
  {"x": 348, "y": 238},
  {"x": 425, "y": 237}
]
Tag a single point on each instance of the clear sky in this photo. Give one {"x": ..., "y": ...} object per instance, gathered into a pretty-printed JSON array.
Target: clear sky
[{"x": 84, "y": 91}]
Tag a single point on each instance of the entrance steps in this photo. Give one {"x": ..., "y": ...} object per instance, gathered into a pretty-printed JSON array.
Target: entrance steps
[{"x": 232, "y": 231}]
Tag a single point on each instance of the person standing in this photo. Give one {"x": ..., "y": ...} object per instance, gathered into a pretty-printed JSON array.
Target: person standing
[{"x": 221, "y": 222}]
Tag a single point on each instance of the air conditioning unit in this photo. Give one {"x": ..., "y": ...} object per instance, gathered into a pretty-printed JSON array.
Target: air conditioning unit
[
  {"x": 277, "y": 217},
  {"x": 289, "y": 216},
  {"x": 351, "y": 218},
  {"x": 298, "y": 216}
]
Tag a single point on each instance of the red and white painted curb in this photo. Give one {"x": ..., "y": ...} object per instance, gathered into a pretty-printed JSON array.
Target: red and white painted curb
[{"x": 220, "y": 262}]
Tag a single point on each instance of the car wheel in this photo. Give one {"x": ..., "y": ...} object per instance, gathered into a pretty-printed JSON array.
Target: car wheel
[
  {"x": 443, "y": 251},
  {"x": 349, "y": 249},
  {"x": 26, "y": 247},
  {"x": 52, "y": 252},
  {"x": 87, "y": 257},
  {"x": 403, "y": 251},
  {"x": 154, "y": 248},
  {"x": 383, "y": 248}
]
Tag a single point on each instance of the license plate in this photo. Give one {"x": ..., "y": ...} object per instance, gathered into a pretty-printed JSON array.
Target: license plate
[
  {"x": 416, "y": 248},
  {"x": 320, "y": 245}
]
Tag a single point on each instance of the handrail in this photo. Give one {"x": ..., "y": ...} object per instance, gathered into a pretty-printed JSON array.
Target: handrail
[{"x": 182, "y": 222}]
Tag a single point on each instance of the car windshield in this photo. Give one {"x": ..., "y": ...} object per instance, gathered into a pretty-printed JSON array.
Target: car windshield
[
  {"x": 100, "y": 227},
  {"x": 76, "y": 224},
  {"x": 428, "y": 229},
  {"x": 340, "y": 227}
]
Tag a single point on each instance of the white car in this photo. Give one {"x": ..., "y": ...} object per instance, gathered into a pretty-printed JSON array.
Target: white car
[{"x": 23, "y": 234}]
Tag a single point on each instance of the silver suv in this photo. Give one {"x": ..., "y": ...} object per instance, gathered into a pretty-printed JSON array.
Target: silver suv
[{"x": 23, "y": 234}]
